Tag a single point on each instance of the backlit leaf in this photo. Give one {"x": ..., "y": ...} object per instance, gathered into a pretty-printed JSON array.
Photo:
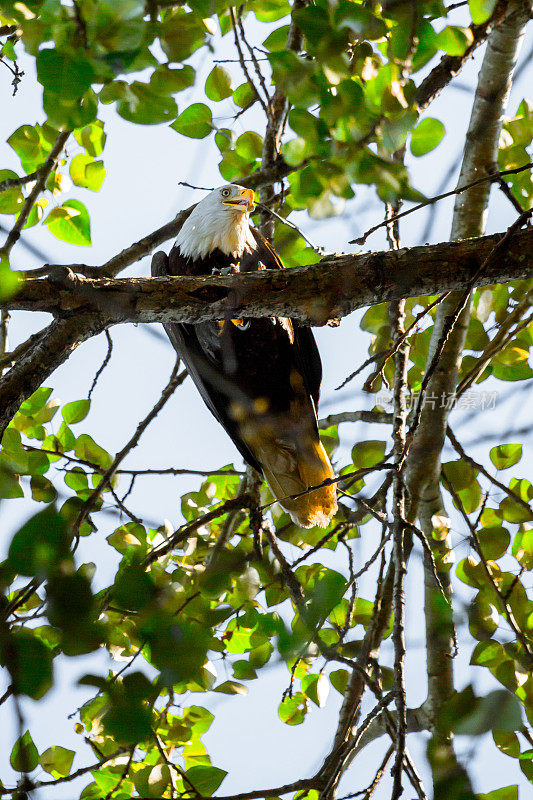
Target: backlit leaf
[
  {"x": 219, "y": 83},
  {"x": 24, "y": 756},
  {"x": 195, "y": 122},
  {"x": 504, "y": 456},
  {"x": 426, "y": 136},
  {"x": 70, "y": 223}
]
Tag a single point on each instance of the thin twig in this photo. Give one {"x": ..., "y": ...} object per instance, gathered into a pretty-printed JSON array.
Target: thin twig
[
  {"x": 104, "y": 364},
  {"x": 492, "y": 178},
  {"x": 88, "y": 505}
]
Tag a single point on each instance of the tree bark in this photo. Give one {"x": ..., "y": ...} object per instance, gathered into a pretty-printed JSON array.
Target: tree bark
[{"x": 330, "y": 289}]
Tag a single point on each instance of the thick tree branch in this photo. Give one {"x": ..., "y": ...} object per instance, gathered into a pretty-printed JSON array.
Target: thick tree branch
[
  {"x": 449, "y": 66},
  {"x": 332, "y": 288}
]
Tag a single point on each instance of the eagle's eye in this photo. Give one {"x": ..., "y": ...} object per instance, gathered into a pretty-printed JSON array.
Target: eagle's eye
[{"x": 225, "y": 192}]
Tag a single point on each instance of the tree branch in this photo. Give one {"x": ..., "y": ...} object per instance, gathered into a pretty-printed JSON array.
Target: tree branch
[
  {"x": 332, "y": 288},
  {"x": 44, "y": 172}
]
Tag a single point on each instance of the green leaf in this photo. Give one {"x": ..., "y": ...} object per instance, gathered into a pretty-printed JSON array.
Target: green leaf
[
  {"x": 195, "y": 122},
  {"x": 505, "y": 793},
  {"x": 29, "y": 662},
  {"x": 70, "y": 223},
  {"x": 219, "y": 84},
  {"x": 9, "y": 484},
  {"x": 139, "y": 103},
  {"x": 87, "y": 449},
  {"x": 9, "y": 280},
  {"x": 454, "y": 40},
  {"x": 75, "y": 411},
  {"x": 42, "y": 489},
  {"x": 293, "y": 709},
  {"x": 368, "y": 454},
  {"x": 41, "y": 543},
  {"x": 271, "y": 10},
  {"x": 24, "y": 756},
  {"x": 35, "y": 402},
  {"x": 30, "y": 146},
  {"x": 92, "y": 138},
  {"x": 506, "y": 455},
  {"x": 339, "y": 679},
  {"x": 181, "y": 34},
  {"x": 316, "y": 688},
  {"x": 128, "y": 721},
  {"x": 523, "y": 547},
  {"x": 494, "y": 542},
  {"x": 426, "y": 136},
  {"x": 243, "y": 95},
  {"x": 205, "y": 780},
  {"x": 460, "y": 474},
  {"x": 63, "y": 74},
  {"x": 249, "y": 145},
  {"x": 11, "y": 200},
  {"x": 57, "y": 761},
  {"x": 481, "y": 11},
  {"x": 499, "y": 710},
  {"x": 87, "y": 172},
  {"x": 277, "y": 40},
  {"x": 167, "y": 80},
  {"x": 231, "y": 687},
  {"x": 507, "y": 742}
]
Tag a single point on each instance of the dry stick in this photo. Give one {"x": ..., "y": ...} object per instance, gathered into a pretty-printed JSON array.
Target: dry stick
[
  {"x": 507, "y": 610},
  {"x": 242, "y": 60},
  {"x": 254, "y": 60},
  {"x": 104, "y": 363},
  {"x": 317, "y": 248},
  {"x": 185, "y": 531},
  {"x": 469, "y": 460},
  {"x": 397, "y": 317},
  {"x": 9, "y": 183},
  {"x": 10, "y": 358},
  {"x": 4, "y": 323},
  {"x": 44, "y": 172},
  {"x": 491, "y": 178},
  {"x": 500, "y": 340},
  {"x": 384, "y": 356},
  {"x": 87, "y": 506},
  {"x": 380, "y": 417},
  {"x": 369, "y": 791}
]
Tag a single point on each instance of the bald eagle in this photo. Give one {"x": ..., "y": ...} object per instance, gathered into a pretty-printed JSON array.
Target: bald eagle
[{"x": 260, "y": 378}]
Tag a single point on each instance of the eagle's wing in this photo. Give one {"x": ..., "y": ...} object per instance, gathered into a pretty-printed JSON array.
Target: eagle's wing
[
  {"x": 304, "y": 340},
  {"x": 184, "y": 339},
  {"x": 260, "y": 378}
]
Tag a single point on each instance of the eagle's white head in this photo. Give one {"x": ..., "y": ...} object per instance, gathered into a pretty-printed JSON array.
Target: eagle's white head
[{"x": 221, "y": 219}]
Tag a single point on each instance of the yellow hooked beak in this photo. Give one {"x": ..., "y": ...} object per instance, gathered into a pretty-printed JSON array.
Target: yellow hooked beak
[{"x": 244, "y": 202}]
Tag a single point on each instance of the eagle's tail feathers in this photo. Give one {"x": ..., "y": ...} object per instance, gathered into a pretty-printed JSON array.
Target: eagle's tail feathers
[{"x": 292, "y": 469}]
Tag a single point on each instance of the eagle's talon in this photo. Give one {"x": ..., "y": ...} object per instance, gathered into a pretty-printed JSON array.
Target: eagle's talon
[{"x": 231, "y": 270}]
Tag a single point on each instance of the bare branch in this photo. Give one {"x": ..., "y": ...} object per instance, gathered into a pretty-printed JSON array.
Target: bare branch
[
  {"x": 88, "y": 505},
  {"x": 491, "y": 177}
]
